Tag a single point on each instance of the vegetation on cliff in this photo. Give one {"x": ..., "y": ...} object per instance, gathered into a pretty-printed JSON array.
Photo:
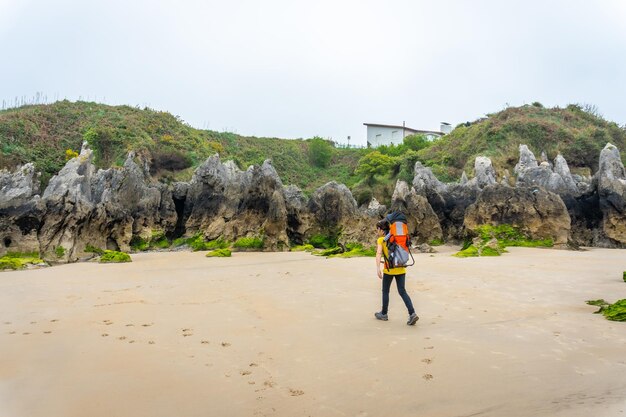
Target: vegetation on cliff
[
  {"x": 578, "y": 132},
  {"x": 50, "y": 134}
]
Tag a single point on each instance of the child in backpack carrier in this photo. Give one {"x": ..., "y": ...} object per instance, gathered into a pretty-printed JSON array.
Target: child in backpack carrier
[{"x": 393, "y": 252}]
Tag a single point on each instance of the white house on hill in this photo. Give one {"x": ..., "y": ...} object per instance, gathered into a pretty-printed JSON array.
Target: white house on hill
[{"x": 378, "y": 135}]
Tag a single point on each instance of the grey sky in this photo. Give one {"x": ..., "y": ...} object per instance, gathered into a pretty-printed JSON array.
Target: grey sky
[{"x": 289, "y": 68}]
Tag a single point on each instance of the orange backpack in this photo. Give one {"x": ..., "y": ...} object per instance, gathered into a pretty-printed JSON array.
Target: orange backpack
[{"x": 398, "y": 242}]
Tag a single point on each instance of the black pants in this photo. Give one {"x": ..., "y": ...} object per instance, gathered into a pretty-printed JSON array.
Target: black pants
[{"x": 400, "y": 284}]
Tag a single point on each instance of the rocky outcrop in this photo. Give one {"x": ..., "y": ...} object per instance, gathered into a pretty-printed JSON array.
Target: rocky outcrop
[
  {"x": 611, "y": 184},
  {"x": 531, "y": 174},
  {"x": 484, "y": 173},
  {"x": 21, "y": 210},
  {"x": 84, "y": 206},
  {"x": 103, "y": 208},
  {"x": 537, "y": 213},
  {"x": 422, "y": 221},
  {"x": 334, "y": 211},
  {"x": 223, "y": 201}
]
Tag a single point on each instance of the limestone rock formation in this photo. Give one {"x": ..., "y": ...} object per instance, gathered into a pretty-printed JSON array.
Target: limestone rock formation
[
  {"x": 20, "y": 210},
  {"x": 422, "y": 221},
  {"x": 223, "y": 201},
  {"x": 530, "y": 174},
  {"x": 424, "y": 180},
  {"x": 375, "y": 209},
  {"x": 611, "y": 185},
  {"x": 538, "y": 213},
  {"x": 485, "y": 174},
  {"x": 18, "y": 187}
]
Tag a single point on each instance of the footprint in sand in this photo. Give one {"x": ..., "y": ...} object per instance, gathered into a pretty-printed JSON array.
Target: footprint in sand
[
  {"x": 147, "y": 324},
  {"x": 225, "y": 344},
  {"x": 151, "y": 342},
  {"x": 104, "y": 334},
  {"x": 13, "y": 332},
  {"x": 131, "y": 341},
  {"x": 253, "y": 364},
  {"x": 47, "y": 332},
  {"x": 107, "y": 322},
  {"x": 7, "y": 322},
  {"x": 429, "y": 347},
  {"x": 269, "y": 384},
  {"x": 244, "y": 373},
  {"x": 33, "y": 322},
  {"x": 204, "y": 342},
  {"x": 25, "y": 333},
  {"x": 187, "y": 332},
  {"x": 54, "y": 320},
  {"x": 130, "y": 325},
  {"x": 122, "y": 338},
  {"x": 295, "y": 392},
  {"x": 427, "y": 361},
  {"x": 427, "y": 377}
]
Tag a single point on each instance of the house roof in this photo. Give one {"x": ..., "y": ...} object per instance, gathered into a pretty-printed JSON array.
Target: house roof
[{"x": 432, "y": 132}]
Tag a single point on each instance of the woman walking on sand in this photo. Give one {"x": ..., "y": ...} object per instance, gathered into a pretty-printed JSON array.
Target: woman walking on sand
[{"x": 388, "y": 274}]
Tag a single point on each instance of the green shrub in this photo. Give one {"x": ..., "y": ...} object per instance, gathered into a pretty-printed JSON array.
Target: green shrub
[
  {"x": 59, "y": 251},
  {"x": 249, "y": 243},
  {"x": 624, "y": 276},
  {"x": 111, "y": 256},
  {"x": 436, "y": 242},
  {"x": 320, "y": 152},
  {"x": 219, "y": 253},
  {"x": 69, "y": 154},
  {"x": 374, "y": 163},
  {"x": 179, "y": 242}
]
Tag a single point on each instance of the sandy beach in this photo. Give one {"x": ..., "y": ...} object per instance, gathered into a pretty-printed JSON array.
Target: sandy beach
[{"x": 290, "y": 334}]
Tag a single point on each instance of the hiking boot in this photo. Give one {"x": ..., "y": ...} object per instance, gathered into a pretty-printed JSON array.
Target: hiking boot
[
  {"x": 412, "y": 319},
  {"x": 381, "y": 316}
]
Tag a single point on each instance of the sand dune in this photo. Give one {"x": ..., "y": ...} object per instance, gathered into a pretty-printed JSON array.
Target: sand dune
[{"x": 289, "y": 334}]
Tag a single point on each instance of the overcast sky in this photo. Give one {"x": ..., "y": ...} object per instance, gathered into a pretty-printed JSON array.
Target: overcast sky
[{"x": 296, "y": 69}]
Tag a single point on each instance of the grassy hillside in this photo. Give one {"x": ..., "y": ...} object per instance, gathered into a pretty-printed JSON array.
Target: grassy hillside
[
  {"x": 48, "y": 134},
  {"x": 43, "y": 133},
  {"x": 577, "y": 133}
]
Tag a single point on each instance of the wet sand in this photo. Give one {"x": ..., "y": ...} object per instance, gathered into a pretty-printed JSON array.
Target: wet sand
[{"x": 289, "y": 334}]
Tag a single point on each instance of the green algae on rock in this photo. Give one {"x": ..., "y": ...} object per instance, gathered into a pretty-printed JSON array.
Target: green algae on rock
[
  {"x": 219, "y": 253},
  {"x": 112, "y": 256},
  {"x": 616, "y": 311},
  {"x": 249, "y": 243},
  {"x": 302, "y": 248},
  {"x": 18, "y": 260},
  {"x": 613, "y": 312}
]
